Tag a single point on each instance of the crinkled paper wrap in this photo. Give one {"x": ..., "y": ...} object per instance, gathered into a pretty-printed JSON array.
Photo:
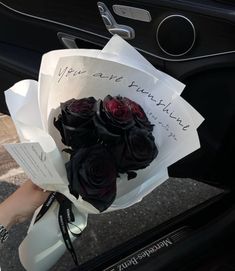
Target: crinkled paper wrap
[{"x": 118, "y": 69}]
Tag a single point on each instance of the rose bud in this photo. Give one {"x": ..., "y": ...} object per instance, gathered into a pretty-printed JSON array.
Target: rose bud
[
  {"x": 136, "y": 152},
  {"x": 75, "y": 122},
  {"x": 112, "y": 118},
  {"x": 139, "y": 115},
  {"x": 92, "y": 175}
]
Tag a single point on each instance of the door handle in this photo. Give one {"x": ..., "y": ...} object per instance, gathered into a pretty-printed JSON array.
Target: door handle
[
  {"x": 69, "y": 41},
  {"x": 124, "y": 31}
]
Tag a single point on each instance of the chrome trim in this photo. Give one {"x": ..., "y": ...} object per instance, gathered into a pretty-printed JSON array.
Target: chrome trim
[
  {"x": 194, "y": 35},
  {"x": 107, "y": 38},
  {"x": 186, "y": 59}
]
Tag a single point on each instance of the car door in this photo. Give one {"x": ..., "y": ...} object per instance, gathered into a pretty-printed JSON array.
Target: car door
[{"x": 191, "y": 40}]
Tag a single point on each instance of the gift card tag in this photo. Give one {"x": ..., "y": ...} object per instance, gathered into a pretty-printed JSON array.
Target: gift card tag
[{"x": 34, "y": 161}]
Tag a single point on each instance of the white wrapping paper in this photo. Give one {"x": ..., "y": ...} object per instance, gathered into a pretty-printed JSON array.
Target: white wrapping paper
[{"x": 118, "y": 69}]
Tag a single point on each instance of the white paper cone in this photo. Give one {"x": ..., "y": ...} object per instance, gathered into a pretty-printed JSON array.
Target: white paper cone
[{"x": 44, "y": 245}]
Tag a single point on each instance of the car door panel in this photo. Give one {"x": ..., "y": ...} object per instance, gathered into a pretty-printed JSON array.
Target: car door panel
[{"x": 213, "y": 22}]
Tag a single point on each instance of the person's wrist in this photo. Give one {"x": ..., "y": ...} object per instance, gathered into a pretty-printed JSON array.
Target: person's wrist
[{"x": 21, "y": 204}]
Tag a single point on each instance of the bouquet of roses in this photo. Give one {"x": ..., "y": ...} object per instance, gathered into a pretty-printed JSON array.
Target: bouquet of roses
[
  {"x": 106, "y": 138},
  {"x": 99, "y": 129}
]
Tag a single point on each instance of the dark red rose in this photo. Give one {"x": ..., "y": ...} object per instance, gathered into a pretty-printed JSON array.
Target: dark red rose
[
  {"x": 92, "y": 175},
  {"x": 77, "y": 112},
  {"x": 114, "y": 112},
  {"x": 75, "y": 122},
  {"x": 139, "y": 115},
  {"x": 117, "y": 111},
  {"x": 137, "y": 151},
  {"x": 112, "y": 118}
]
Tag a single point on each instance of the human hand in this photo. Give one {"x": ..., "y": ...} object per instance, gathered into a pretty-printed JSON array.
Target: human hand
[{"x": 21, "y": 204}]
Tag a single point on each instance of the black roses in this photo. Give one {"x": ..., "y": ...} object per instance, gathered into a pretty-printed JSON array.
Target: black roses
[
  {"x": 136, "y": 151},
  {"x": 75, "y": 122},
  {"x": 106, "y": 138},
  {"x": 92, "y": 174}
]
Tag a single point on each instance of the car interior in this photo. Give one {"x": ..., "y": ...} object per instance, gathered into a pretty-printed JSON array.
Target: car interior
[{"x": 194, "y": 42}]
